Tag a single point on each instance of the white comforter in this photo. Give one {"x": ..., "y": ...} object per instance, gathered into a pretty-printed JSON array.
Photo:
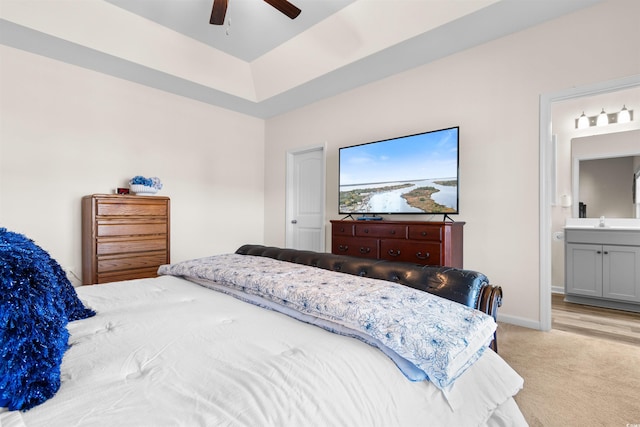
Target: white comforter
[
  {"x": 428, "y": 337},
  {"x": 168, "y": 352}
]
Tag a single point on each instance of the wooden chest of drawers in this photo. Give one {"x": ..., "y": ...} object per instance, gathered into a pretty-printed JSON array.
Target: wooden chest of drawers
[
  {"x": 123, "y": 237},
  {"x": 421, "y": 242}
]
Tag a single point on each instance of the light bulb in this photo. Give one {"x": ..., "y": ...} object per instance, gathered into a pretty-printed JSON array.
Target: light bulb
[
  {"x": 583, "y": 121},
  {"x": 603, "y": 120},
  {"x": 624, "y": 116}
]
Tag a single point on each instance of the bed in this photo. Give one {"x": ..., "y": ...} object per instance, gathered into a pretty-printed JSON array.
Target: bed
[{"x": 208, "y": 343}]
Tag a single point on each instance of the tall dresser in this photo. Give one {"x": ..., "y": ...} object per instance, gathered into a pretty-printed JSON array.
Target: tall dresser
[{"x": 124, "y": 237}]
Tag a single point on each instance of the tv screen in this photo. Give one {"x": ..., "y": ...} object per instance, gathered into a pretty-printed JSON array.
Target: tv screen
[{"x": 413, "y": 174}]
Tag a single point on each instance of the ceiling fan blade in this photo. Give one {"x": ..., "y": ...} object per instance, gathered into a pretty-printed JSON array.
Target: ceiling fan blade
[
  {"x": 285, "y": 7},
  {"x": 218, "y": 12}
]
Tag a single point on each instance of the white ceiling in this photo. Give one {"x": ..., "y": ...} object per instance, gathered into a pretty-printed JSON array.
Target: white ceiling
[
  {"x": 251, "y": 28},
  {"x": 260, "y": 62}
]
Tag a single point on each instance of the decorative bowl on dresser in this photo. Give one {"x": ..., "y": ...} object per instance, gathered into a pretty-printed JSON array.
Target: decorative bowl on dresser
[
  {"x": 420, "y": 242},
  {"x": 124, "y": 237}
]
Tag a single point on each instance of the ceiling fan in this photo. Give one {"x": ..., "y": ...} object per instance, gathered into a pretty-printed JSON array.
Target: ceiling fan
[{"x": 220, "y": 9}]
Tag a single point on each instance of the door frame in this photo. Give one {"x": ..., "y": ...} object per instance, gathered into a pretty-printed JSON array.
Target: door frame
[
  {"x": 290, "y": 194},
  {"x": 547, "y": 185}
]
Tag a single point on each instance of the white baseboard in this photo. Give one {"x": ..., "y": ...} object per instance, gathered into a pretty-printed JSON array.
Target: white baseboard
[
  {"x": 527, "y": 323},
  {"x": 519, "y": 321}
]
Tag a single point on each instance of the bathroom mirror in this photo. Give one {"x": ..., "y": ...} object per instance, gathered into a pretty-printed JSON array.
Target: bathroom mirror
[
  {"x": 605, "y": 171},
  {"x": 606, "y": 187}
]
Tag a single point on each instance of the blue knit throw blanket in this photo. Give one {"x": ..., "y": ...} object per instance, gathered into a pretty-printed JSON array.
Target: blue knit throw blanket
[{"x": 36, "y": 303}]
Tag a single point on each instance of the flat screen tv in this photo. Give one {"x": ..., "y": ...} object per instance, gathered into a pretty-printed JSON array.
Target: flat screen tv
[{"x": 412, "y": 174}]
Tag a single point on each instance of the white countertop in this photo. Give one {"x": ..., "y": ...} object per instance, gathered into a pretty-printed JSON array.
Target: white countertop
[{"x": 609, "y": 223}]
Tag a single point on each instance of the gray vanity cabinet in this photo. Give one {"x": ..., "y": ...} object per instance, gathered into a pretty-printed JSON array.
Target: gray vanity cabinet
[
  {"x": 583, "y": 270},
  {"x": 603, "y": 267},
  {"x": 621, "y": 273}
]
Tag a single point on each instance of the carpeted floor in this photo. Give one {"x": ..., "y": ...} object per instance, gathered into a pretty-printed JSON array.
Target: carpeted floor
[{"x": 573, "y": 380}]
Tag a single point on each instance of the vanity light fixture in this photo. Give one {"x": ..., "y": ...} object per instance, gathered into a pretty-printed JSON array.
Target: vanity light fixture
[{"x": 603, "y": 119}]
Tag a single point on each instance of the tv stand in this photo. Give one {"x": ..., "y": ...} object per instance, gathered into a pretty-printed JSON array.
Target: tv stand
[
  {"x": 447, "y": 216},
  {"x": 420, "y": 242}
]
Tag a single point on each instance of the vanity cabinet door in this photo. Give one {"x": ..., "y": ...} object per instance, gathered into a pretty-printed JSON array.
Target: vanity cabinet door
[
  {"x": 584, "y": 269},
  {"x": 621, "y": 272}
]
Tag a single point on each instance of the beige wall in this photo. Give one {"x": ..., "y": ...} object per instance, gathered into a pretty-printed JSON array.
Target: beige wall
[
  {"x": 66, "y": 132},
  {"x": 492, "y": 92}
]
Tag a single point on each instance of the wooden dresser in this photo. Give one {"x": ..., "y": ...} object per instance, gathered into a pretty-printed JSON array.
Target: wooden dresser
[
  {"x": 421, "y": 242},
  {"x": 123, "y": 237}
]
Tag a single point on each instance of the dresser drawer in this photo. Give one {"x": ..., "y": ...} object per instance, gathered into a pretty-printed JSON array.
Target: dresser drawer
[
  {"x": 342, "y": 228},
  {"x": 405, "y": 251},
  {"x": 109, "y": 246},
  {"x": 116, "y": 276},
  {"x": 130, "y": 227},
  {"x": 119, "y": 263},
  {"x": 425, "y": 232},
  {"x": 381, "y": 230},
  {"x": 364, "y": 248},
  {"x": 131, "y": 208}
]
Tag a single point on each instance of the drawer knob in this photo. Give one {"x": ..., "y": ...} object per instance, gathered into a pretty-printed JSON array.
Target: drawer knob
[
  {"x": 421, "y": 256},
  {"x": 343, "y": 248},
  {"x": 364, "y": 250},
  {"x": 394, "y": 253},
  {"x": 393, "y": 231},
  {"x": 424, "y": 233}
]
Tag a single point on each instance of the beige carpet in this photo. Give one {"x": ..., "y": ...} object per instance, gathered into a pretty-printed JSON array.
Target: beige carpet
[{"x": 573, "y": 380}]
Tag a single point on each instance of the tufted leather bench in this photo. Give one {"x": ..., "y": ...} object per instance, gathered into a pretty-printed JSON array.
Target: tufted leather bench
[{"x": 463, "y": 286}]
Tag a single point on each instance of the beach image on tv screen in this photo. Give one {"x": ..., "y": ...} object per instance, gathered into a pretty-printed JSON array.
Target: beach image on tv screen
[{"x": 412, "y": 174}]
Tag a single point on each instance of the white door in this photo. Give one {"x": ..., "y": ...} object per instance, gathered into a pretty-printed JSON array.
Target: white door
[{"x": 305, "y": 199}]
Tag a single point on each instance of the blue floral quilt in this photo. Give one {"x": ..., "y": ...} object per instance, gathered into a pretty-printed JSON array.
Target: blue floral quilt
[{"x": 428, "y": 337}]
